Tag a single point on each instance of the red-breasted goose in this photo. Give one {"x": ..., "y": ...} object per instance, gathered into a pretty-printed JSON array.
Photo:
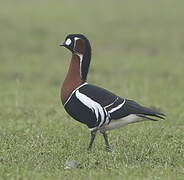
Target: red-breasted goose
[{"x": 94, "y": 106}]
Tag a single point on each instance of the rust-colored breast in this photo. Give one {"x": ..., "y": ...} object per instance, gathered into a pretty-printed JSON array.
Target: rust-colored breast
[{"x": 72, "y": 79}]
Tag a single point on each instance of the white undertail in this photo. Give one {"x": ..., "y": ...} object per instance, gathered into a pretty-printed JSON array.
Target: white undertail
[{"x": 122, "y": 122}]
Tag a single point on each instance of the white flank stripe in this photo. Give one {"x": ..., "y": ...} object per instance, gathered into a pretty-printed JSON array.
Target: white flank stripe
[
  {"x": 116, "y": 108},
  {"x": 94, "y": 106},
  {"x": 112, "y": 103},
  {"x": 102, "y": 116}
]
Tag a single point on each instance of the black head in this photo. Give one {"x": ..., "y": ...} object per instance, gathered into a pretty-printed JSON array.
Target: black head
[
  {"x": 79, "y": 45},
  {"x": 76, "y": 43}
]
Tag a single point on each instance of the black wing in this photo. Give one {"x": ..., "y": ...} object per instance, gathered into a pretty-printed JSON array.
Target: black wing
[
  {"x": 131, "y": 107},
  {"x": 98, "y": 94},
  {"x": 116, "y": 106}
]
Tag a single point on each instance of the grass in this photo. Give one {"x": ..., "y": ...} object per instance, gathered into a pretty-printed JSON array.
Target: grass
[{"x": 138, "y": 53}]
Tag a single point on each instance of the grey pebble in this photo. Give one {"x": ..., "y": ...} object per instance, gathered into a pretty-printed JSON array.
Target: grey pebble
[{"x": 71, "y": 164}]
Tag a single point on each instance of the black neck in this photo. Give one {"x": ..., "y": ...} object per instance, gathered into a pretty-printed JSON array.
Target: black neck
[{"x": 84, "y": 67}]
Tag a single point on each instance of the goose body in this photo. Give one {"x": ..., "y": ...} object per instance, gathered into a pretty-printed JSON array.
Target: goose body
[{"x": 94, "y": 106}]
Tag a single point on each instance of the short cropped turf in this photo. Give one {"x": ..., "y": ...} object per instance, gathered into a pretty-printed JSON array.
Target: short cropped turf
[{"x": 138, "y": 53}]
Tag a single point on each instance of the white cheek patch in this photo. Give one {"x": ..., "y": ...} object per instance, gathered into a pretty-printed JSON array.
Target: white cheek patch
[{"x": 68, "y": 42}]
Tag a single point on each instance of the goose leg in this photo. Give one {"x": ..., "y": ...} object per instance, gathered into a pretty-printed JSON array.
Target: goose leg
[
  {"x": 107, "y": 146},
  {"x": 92, "y": 138}
]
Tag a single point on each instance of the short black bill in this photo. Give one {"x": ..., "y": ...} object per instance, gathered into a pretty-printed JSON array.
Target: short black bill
[{"x": 62, "y": 44}]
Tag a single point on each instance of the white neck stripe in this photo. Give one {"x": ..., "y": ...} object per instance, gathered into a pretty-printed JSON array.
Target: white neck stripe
[
  {"x": 75, "y": 40},
  {"x": 81, "y": 58},
  {"x": 116, "y": 108}
]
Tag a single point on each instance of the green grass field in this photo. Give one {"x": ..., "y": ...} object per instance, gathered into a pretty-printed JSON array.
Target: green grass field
[{"x": 138, "y": 50}]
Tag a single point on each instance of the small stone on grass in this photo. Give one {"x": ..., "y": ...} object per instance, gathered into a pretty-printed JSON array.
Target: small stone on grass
[{"x": 71, "y": 164}]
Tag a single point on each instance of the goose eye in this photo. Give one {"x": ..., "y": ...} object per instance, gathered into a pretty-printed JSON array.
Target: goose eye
[{"x": 68, "y": 42}]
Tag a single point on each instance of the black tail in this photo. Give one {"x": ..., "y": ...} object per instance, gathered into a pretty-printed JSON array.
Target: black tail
[
  {"x": 144, "y": 112},
  {"x": 149, "y": 118}
]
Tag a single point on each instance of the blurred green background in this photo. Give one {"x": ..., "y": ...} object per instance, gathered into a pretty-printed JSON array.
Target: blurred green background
[{"x": 138, "y": 50}]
